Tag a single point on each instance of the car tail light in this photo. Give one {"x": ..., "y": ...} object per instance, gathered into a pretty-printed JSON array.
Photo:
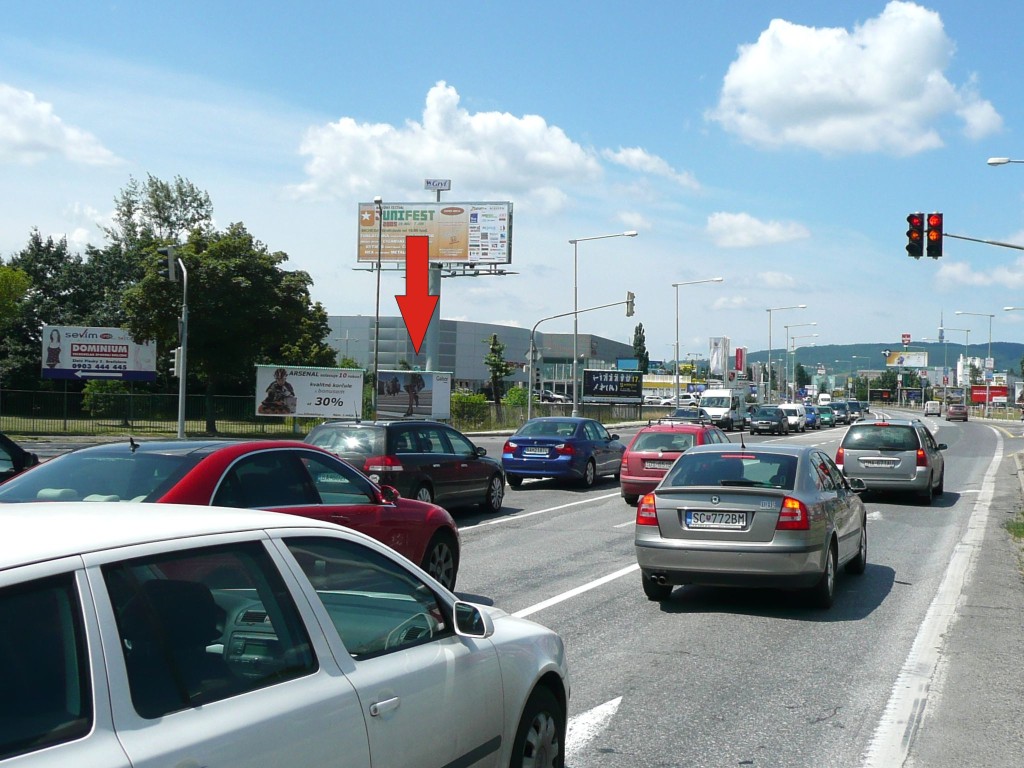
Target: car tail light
[
  {"x": 646, "y": 511},
  {"x": 840, "y": 455},
  {"x": 922, "y": 458},
  {"x": 509, "y": 447},
  {"x": 564, "y": 449},
  {"x": 793, "y": 516},
  {"x": 382, "y": 464}
]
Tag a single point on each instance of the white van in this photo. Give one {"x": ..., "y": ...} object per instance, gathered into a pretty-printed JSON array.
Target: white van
[
  {"x": 725, "y": 407},
  {"x": 796, "y": 414},
  {"x": 824, "y": 399},
  {"x": 932, "y": 408}
]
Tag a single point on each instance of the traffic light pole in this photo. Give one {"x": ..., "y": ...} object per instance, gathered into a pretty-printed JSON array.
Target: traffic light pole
[
  {"x": 183, "y": 359},
  {"x": 533, "y": 347}
]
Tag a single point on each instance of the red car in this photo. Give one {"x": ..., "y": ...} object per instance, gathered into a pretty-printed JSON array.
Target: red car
[
  {"x": 280, "y": 475},
  {"x": 654, "y": 449}
]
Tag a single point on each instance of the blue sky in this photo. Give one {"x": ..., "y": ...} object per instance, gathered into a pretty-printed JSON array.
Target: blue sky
[{"x": 778, "y": 145}]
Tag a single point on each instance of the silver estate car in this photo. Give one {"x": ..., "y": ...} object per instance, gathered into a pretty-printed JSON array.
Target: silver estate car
[
  {"x": 767, "y": 515},
  {"x": 894, "y": 455},
  {"x": 157, "y": 635}
]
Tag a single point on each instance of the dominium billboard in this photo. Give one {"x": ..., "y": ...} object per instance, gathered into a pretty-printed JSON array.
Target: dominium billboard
[{"x": 464, "y": 233}]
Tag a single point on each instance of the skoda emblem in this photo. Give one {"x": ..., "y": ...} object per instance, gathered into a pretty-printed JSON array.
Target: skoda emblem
[{"x": 715, "y": 499}]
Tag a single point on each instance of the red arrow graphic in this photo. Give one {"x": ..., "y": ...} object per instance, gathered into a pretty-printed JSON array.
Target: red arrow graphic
[{"x": 417, "y": 305}]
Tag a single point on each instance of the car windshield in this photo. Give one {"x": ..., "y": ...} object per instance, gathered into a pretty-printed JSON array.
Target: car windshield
[
  {"x": 548, "y": 429},
  {"x": 720, "y": 401},
  {"x": 881, "y": 437},
  {"x": 663, "y": 441},
  {"x": 824, "y": 409},
  {"x": 348, "y": 439},
  {"x": 766, "y": 413},
  {"x": 109, "y": 475},
  {"x": 749, "y": 468},
  {"x": 687, "y": 413}
]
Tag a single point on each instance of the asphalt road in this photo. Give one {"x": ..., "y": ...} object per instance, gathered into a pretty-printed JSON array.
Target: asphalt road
[{"x": 917, "y": 663}]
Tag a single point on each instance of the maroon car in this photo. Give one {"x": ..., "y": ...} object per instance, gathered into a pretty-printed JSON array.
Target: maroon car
[
  {"x": 654, "y": 449},
  {"x": 279, "y": 475}
]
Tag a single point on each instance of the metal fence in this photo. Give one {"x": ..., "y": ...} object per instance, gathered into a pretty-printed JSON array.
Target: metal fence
[{"x": 75, "y": 413}]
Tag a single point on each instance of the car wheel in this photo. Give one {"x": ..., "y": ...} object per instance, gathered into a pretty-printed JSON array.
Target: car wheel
[
  {"x": 655, "y": 591},
  {"x": 514, "y": 481},
  {"x": 589, "y": 474},
  {"x": 860, "y": 562},
  {"x": 928, "y": 494},
  {"x": 942, "y": 483},
  {"x": 495, "y": 494},
  {"x": 823, "y": 593},
  {"x": 423, "y": 493},
  {"x": 441, "y": 560},
  {"x": 540, "y": 737},
  {"x": 631, "y": 498}
]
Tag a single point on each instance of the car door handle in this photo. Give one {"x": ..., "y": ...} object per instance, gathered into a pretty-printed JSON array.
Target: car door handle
[
  {"x": 383, "y": 707},
  {"x": 340, "y": 519}
]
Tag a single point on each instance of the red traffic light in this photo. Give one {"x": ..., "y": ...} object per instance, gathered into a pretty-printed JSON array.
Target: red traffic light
[
  {"x": 915, "y": 235},
  {"x": 934, "y": 235}
]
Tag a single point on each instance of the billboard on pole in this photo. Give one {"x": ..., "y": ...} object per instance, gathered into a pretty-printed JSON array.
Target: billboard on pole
[
  {"x": 464, "y": 233},
  {"x": 330, "y": 393},
  {"x": 75, "y": 352},
  {"x": 426, "y": 394},
  {"x": 906, "y": 360}
]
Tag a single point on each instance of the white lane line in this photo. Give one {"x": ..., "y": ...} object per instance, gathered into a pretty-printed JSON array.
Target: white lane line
[
  {"x": 514, "y": 518},
  {"x": 908, "y": 701},
  {"x": 577, "y": 591},
  {"x": 586, "y": 726}
]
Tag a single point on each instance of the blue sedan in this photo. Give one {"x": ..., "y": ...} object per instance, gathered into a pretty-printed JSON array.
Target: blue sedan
[{"x": 563, "y": 447}]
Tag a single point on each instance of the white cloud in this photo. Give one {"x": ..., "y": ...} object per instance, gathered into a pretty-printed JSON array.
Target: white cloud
[
  {"x": 878, "y": 88},
  {"x": 30, "y": 132},
  {"x": 491, "y": 152},
  {"x": 638, "y": 159},
  {"x": 955, "y": 275},
  {"x": 741, "y": 230},
  {"x": 731, "y": 302},
  {"x": 635, "y": 220}
]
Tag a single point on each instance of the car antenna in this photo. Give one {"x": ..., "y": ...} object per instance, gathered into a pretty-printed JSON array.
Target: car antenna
[
  {"x": 133, "y": 444},
  {"x": 743, "y": 445}
]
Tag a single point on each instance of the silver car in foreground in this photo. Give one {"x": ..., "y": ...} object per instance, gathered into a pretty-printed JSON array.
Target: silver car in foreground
[
  {"x": 149, "y": 635},
  {"x": 766, "y": 515}
]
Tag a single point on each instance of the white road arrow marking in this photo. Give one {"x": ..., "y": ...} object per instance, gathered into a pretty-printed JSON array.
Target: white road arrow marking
[{"x": 583, "y": 728}]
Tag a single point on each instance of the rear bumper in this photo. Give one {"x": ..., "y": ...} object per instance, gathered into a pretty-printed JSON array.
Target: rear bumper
[
  {"x": 637, "y": 486},
  {"x": 748, "y": 566}
]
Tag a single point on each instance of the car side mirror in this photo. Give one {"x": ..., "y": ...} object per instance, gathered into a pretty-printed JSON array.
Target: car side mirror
[
  {"x": 389, "y": 494},
  {"x": 471, "y": 621},
  {"x": 615, "y": 437},
  {"x": 481, "y": 451},
  {"x": 942, "y": 446}
]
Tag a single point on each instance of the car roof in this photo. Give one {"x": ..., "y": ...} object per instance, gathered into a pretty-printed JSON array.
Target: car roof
[
  {"x": 187, "y": 447},
  {"x": 783, "y": 449},
  {"x": 36, "y": 532},
  {"x": 676, "y": 426}
]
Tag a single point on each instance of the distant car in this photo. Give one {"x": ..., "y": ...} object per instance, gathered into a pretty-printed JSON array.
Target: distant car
[
  {"x": 564, "y": 447},
  {"x": 690, "y": 413},
  {"x": 424, "y": 460},
  {"x": 811, "y": 416},
  {"x": 826, "y": 416},
  {"x": 550, "y": 396},
  {"x": 13, "y": 458},
  {"x": 685, "y": 398},
  {"x": 748, "y": 414},
  {"x": 770, "y": 419},
  {"x": 160, "y": 635},
  {"x": 841, "y": 410},
  {"x": 653, "y": 449},
  {"x": 956, "y": 412},
  {"x": 797, "y": 415},
  {"x": 766, "y": 515},
  {"x": 894, "y": 455},
  {"x": 855, "y": 410},
  {"x": 932, "y": 408},
  {"x": 652, "y": 399},
  {"x": 279, "y": 475}
]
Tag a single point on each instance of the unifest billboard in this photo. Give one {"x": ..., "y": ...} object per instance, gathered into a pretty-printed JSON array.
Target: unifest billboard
[{"x": 463, "y": 233}]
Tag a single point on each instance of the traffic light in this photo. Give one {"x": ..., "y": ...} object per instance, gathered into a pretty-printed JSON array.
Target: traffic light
[
  {"x": 629, "y": 303},
  {"x": 934, "y": 235},
  {"x": 915, "y": 235},
  {"x": 175, "y": 367},
  {"x": 169, "y": 270}
]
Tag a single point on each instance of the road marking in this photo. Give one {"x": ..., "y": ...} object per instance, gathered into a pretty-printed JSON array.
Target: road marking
[
  {"x": 908, "y": 701},
  {"x": 584, "y": 727},
  {"x": 513, "y": 518},
  {"x": 577, "y": 591}
]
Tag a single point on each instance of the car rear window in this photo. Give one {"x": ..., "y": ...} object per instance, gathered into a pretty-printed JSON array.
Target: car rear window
[
  {"x": 363, "y": 441},
  {"x": 749, "y": 468},
  {"x": 881, "y": 437},
  {"x": 664, "y": 441},
  {"x": 548, "y": 429}
]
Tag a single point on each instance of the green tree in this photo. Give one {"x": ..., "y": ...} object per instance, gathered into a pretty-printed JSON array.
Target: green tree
[
  {"x": 640, "y": 348},
  {"x": 244, "y": 309},
  {"x": 499, "y": 368},
  {"x": 801, "y": 376},
  {"x": 14, "y": 284}
]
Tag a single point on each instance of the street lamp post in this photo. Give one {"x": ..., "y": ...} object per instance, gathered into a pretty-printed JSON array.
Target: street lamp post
[
  {"x": 967, "y": 338},
  {"x": 576, "y": 309},
  {"x": 377, "y": 201},
  {"x": 988, "y": 379},
  {"x": 676, "y": 286},
  {"x": 768, "y": 391},
  {"x": 786, "y": 366},
  {"x": 794, "y": 338},
  {"x": 1002, "y": 161}
]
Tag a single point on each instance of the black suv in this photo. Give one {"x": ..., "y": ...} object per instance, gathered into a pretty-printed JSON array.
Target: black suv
[{"x": 424, "y": 460}]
